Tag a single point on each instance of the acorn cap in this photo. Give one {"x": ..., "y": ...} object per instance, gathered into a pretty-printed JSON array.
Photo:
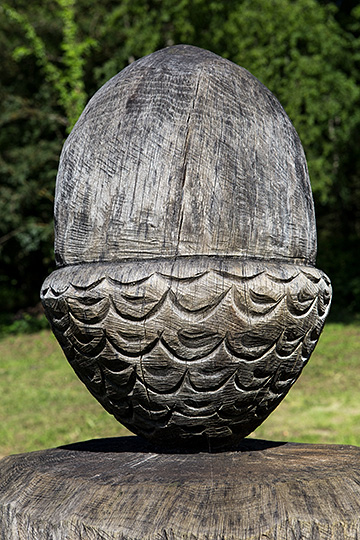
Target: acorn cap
[{"x": 183, "y": 153}]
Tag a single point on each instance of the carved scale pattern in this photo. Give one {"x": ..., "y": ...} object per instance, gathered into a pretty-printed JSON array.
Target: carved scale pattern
[{"x": 202, "y": 357}]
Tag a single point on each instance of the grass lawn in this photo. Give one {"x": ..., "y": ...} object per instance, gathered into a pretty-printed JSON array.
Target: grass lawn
[
  {"x": 43, "y": 404},
  {"x": 324, "y": 404}
]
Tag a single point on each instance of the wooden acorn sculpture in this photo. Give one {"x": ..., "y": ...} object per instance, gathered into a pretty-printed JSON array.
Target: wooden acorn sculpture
[{"x": 186, "y": 297}]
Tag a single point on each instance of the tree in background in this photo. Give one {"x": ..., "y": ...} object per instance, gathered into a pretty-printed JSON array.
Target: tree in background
[
  {"x": 56, "y": 54},
  {"x": 42, "y": 95},
  {"x": 311, "y": 63}
]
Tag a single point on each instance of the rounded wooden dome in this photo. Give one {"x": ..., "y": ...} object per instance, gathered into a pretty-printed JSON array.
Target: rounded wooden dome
[{"x": 183, "y": 153}]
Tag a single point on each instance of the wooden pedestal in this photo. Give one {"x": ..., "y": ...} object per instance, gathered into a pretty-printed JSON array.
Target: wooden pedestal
[{"x": 121, "y": 489}]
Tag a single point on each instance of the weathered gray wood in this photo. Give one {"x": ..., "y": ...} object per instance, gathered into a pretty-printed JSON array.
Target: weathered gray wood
[
  {"x": 183, "y": 153},
  {"x": 120, "y": 490},
  {"x": 187, "y": 300},
  {"x": 197, "y": 353}
]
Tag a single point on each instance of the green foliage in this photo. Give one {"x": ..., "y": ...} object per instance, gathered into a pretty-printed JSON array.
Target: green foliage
[
  {"x": 56, "y": 53},
  {"x": 67, "y": 78},
  {"x": 22, "y": 324},
  {"x": 42, "y": 95},
  {"x": 299, "y": 51},
  {"x": 134, "y": 29}
]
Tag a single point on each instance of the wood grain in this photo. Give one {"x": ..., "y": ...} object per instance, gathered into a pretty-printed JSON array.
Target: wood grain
[
  {"x": 194, "y": 353},
  {"x": 121, "y": 489},
  {"x": 187, "y": 300},
  {"x": 183, "y": 153}
]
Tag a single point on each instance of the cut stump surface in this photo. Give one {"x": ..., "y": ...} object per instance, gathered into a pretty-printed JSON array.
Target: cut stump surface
[{"x": 122, "y": 489}]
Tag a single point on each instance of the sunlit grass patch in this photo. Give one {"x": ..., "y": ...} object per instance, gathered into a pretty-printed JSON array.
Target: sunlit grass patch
[
  {"x": 324, "y": 404},
  {"x": 42, "y": 402}
]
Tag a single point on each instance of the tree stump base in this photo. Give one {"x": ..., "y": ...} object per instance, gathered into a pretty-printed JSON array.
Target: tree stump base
[{"x": 122, "y": 489}]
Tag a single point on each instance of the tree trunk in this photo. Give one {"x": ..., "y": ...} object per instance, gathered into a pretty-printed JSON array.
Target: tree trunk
[{"x": 125, "y": 490}]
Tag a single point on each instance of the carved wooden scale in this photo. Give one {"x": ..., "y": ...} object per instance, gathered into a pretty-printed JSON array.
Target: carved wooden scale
[{"x": 186, "y": 297}]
